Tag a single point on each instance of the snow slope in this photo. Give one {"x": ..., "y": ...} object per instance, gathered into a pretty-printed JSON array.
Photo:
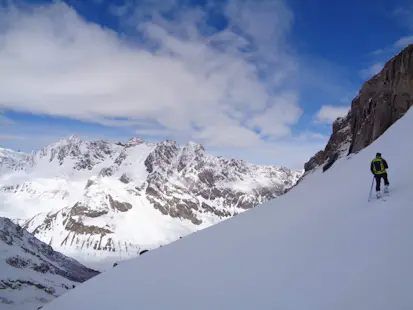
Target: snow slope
[
  {"x": 320, "y": 246},
  {"x": 31, "y": 272}
]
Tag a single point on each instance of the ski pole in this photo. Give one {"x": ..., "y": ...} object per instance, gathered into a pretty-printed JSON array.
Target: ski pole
[{"x": 371, "y": 189}]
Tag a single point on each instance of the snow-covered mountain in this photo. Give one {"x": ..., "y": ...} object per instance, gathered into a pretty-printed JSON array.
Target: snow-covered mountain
[
  {"x": 321, "y": 246},
  {"x": 11, "y": 160},
  {"x": 32, "y": 273},
  {"x": 97, "y": 200}
]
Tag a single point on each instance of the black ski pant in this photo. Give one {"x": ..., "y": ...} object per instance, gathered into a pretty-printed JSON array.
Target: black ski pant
[{"x": 378, "y": 178}]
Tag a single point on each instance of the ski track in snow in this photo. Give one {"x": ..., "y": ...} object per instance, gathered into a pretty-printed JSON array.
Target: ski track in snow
[{"x": 320, "y": 246}]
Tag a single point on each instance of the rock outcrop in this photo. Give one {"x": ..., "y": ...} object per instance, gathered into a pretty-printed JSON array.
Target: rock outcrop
[
  {"x": 382, "y": 100},
  {"x": 32, "y": 272},
  {"x": 339, "y": 142}
]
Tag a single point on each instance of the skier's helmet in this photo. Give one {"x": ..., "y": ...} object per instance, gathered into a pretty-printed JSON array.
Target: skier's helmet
[{"x": 378, "y": 155}]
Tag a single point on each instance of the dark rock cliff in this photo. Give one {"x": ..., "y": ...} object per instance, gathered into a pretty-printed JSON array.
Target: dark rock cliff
[{"x": 382, "y": 100}]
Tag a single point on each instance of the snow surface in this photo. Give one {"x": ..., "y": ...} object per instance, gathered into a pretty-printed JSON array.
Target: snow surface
[{"x": 320, "y": 246}]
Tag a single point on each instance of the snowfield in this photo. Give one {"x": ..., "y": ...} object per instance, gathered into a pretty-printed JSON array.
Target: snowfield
[{"x": 320, "y": 246}]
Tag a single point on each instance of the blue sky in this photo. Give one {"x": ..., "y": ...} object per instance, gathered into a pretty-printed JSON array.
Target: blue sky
[{"x": 260, "y": 80}]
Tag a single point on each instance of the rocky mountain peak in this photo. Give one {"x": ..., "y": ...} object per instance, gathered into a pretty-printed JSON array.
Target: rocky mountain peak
[
  {"x": 135, "y": 141},
  {"x": 78, "y": 154},
  {"x": 73, "y": 139},
  {"x": 192, "y": 151},
  {"x": 195, "y": 147},
  {"x": 162, "y": 156}
]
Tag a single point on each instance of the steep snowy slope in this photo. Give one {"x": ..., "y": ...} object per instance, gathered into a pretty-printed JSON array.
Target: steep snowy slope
[
  {"x": 320, "y": 246},
  {"x": 31, "y": 273},
  {"x": 97, "y": 200},
  {"x": 10, "y": 160}
]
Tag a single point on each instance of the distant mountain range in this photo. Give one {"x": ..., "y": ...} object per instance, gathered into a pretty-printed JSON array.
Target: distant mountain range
[{"x": 100, "y": 200}]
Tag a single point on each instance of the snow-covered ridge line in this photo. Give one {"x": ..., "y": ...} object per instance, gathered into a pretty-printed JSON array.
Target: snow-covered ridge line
[{"x": 105, "y": 199}]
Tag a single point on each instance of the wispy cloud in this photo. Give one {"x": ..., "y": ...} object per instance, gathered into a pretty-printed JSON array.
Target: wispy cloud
[
  {"x": 372, "y": 70},
  {"x": 291, "y": 155},
  {"x": 402, "y": 42},
  {"x": 308, "y": 136},
  {"x": 328, "y": 114}
]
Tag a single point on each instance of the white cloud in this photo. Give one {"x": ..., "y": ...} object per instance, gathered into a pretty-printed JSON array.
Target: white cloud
[
  {"x": 308, "y": 135},
  {"x": 274, "y": 121},
  {"x": 291, "y": 155},
  {"x": 402, "y": 42},
  {"x": 181, "y": 81},
  {"x": 328, "y": 114},
  {"x": 372, "y": 70}
]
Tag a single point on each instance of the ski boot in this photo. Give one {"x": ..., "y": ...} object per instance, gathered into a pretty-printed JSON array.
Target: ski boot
[
  {"x": 378, "y": 195},
  {"x": 386, "y": 189}
]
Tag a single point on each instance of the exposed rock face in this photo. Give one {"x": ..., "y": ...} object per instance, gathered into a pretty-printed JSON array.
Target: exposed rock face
[
  {"x": 338, "y": 144},
  {"x": 164, "y": 153},
  {"x": 380, "y": 103},
  {"x": 203, "y": 183},
  {"x": 120, "y": 206},
  {"x": 33, "y": 270},
  {"x": 382, "y": 100}
]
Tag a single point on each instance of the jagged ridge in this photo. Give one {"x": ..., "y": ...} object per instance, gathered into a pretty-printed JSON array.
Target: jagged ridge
[{"x": 115, "y": 199}]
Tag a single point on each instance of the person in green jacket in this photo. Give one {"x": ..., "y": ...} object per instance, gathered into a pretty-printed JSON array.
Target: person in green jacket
[{"x": 378, "y": 168}]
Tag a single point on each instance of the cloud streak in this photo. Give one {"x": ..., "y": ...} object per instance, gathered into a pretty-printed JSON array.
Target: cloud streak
[
  {"x": 328, "y": 114},
  {"x": 372, "y": 70},
  {"x": 402, "y": 42}
]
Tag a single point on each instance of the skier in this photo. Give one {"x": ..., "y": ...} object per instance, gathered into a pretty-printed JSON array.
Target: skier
[{"x": 378, "y": 168}]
